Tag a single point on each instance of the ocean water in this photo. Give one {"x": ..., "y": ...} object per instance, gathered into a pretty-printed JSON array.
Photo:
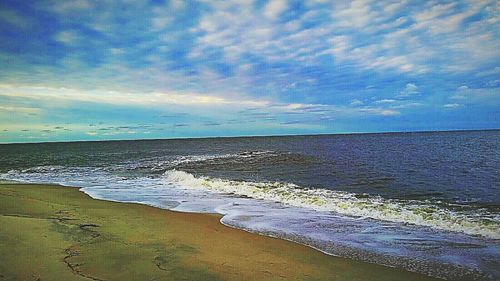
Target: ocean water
[{"x": 428, "y": 202}]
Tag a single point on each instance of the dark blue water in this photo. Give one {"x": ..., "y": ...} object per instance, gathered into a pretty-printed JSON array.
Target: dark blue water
[{"x": 427, "y": 202}]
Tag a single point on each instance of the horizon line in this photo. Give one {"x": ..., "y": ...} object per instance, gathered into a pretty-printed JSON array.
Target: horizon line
[{"x": 259, "y": 136}]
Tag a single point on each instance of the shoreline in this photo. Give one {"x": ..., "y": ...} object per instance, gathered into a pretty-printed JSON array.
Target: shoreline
[{"x": 98, "y": 238}]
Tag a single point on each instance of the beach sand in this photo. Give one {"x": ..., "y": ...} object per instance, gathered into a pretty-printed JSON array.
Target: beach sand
[{"x": 49, "y": 232}]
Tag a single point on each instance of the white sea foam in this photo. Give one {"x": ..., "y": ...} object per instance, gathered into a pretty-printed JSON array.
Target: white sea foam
[
  {"x": 156, "y": 164},
  {"x": 334, "y": 228},
  {"x": 417, "y": 212},
  {"x": 423, "y": 213},
  {"x": 208, "y": 157}
]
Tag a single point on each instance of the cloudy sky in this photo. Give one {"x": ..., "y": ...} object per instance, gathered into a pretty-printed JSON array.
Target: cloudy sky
[{"x": 90, "y": 70}]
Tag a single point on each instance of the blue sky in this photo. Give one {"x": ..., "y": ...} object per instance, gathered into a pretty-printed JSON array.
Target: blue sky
[{"x": 90, "y": 70}]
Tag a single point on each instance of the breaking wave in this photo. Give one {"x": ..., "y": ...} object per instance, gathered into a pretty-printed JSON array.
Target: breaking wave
[{"x": 438, "y": 215}]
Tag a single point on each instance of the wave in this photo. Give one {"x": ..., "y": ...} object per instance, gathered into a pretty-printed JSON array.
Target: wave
[
  {"x": 156, "y": 164},
  {"x": 211, "y": 157},
  {"x": 438, "y": 215},
  {"x": 466, "y": 219}
]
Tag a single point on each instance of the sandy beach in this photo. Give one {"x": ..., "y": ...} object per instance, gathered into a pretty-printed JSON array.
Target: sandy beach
[{"x": 51, "y": 232}]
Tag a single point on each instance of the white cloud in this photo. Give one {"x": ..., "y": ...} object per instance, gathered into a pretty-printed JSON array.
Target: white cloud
[
  {"x": 177, "y": 4},
  {"x": 403, "y": 105},
  {"x": 160, "y": 22},
  {"x": 274, "y": 8},
  {"x": 379, "y": 111},
  {"x": 409, "y": 90},
  {"x": 14, "y": 19},
  {"x": 477, "y": 95},
  {"x": 71, "y": 6},
  {"x": 370, "y": 35},
  {"x": 443, "y": 18},
  {"x": 460, "y": 47},
  {"x": 340, "y": 45},
  {"x": 68, "y": 37},
  {"x": 18, "y": 109},
  {"x": 373, "y": 35},
  {"x": 451, "y": 105},
  {"x": 394, "y": 7},
  {"x": 389, "y": 112},
  {"x": 47, "y": 97},
  {"x": 356, "y": 13},
  {"x": 493, "y": 71},
  {"x": 63, "y": 96},
  {"x": 382, "y": 101},
  {"x": 356, "y": 102},
  {"x": 330, "y": 111},
  {"x": 434, "y": 11}
]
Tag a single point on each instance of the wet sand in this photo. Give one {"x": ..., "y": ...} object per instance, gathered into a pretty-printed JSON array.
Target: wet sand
[{"x": 49, "y": 232}]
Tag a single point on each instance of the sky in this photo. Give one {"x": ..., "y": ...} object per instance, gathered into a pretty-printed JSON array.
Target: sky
[{"x": 99, "y": 70}]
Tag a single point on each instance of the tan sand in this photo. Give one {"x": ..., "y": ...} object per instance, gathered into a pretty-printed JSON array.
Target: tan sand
[{"x": 50, "y": 232}]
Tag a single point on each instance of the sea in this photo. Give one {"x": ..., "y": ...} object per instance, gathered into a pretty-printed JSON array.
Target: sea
[{"x": 428, "y": 202}]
